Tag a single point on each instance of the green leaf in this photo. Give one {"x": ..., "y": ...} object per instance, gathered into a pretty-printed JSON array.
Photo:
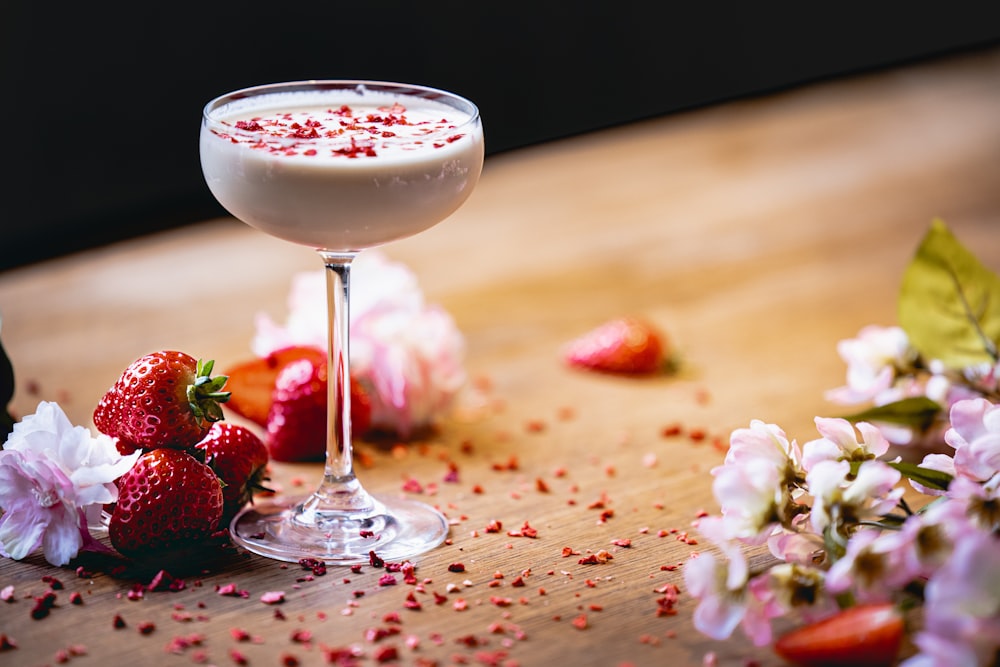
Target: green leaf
[
  {"x": 932, "y": 479},
  {"x": 917, "y": 412},
  {"x": 949, "y": 303}
]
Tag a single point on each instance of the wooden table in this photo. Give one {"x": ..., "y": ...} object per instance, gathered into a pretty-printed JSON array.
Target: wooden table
[{"x": 756, "y": 234}]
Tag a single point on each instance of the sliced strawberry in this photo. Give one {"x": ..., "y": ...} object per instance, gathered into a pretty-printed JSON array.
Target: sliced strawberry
[
  {"x": 239, "y": 458},
  {"x": 163, "y": 399},
  {"x": 623, "y": 345},
  {"x": 861, "y": 636},
  {"x": 296, "y": 423},
  {"x": 168, "y": 501},
  {"x": 252, "y": 382}
]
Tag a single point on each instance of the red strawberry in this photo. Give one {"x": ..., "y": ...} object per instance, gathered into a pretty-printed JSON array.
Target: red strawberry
[
  {"x": 862, "y": 636},
  {"x": 251, "y": 383},
  {"x": 239, "y": 458},
  {"x": 296, "y": 422},
  {"x": 167, "y": 502},
  {"x": 623, "y": 345},
  {"x": 163, "y": 399}
]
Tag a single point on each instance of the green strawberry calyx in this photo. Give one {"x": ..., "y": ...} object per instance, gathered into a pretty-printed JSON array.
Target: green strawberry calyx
[{"x": 205, "y": 395}]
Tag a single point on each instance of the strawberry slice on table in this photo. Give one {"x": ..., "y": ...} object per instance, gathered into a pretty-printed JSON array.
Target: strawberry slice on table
[
  {"x": 862, "y": 636},
  {"x": 623, "y": 345},
  {"x": 168, "y": 501},
  {"x": 162, "y": 399},
  {"x": 252, "y": 382},
  {"x": 240, "y": 459},
  {"x": 296, "y": 421}
]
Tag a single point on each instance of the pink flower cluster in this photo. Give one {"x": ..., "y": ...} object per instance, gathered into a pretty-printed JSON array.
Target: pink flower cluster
[
  {"x": 54, "y": 479},
  {"x": 883, "y": 367},
  {"x": 833, "y": 515},
  {"x": 408, "y": 355}
]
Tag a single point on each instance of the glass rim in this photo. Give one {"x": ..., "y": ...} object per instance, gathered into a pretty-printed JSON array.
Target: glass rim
[{"x": 406, "y": 89}]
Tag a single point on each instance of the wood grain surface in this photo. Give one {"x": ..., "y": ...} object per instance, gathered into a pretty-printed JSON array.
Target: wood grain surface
[{"x": 756, "y": 234}]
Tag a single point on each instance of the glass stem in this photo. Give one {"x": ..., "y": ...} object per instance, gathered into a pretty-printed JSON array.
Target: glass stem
[
  {"x": 339, "y": 460},
  {"x": 340, "y": 490}
]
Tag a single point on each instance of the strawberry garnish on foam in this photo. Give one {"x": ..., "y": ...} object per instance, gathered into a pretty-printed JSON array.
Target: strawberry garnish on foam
[{"x": 624, "y": 345}]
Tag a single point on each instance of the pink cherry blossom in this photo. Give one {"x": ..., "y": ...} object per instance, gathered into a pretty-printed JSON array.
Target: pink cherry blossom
[
  {"x": 763, "y": 442},
  {"x": 864, "y": 569},
  {"x": 940, "y": 463},
  {"x": 796, "y": 544},
  {"x": 751, "y": 495},
  {"x": 836, "y": 493},
  {"x": 52, "y": 474},
  {"x": 976, "y": 502},
  {"x": 719, "y": 584},
  {"x": 975, "y": 435},
  {"x": 840, "y": 442},
  {"x": 962, "y": 607},
  {"x": 783, "y": 589},
  {"x": 872, "y": 359}
]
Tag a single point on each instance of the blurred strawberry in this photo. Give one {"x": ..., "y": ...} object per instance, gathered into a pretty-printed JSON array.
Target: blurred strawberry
[
  {"x": 623, "y": 345},
  {"x": 252, "y": 382},
  {"x": 296, "y": 422},
  {"x": 861, "y": 636},
  {"x": 239, "y": 458},
  {"x": 163, "y": 399}
]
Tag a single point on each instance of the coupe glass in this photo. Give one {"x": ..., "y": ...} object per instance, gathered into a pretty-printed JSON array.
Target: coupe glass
[{"x": 340, "y": 166}]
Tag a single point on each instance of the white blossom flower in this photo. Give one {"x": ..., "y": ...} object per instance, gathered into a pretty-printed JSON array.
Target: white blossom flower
[
  {"x": 720, "y": 585},
  {"x": 962, "y": 607},
  {"x": 52, "y": 475},
  {"x": 838, "y": 495},
  {"x": 751, "y": 495},
  {"x": 872, "y": 362},
  {"x": 975, "y": 435},
  {"x": 840, "y": 442}
]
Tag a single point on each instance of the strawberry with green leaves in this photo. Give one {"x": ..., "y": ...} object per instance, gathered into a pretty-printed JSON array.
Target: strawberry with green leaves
[
  {"x": 163, "y": 399},
  {"x": 240, "y": 459},
  {"x": 168, "y": 502}
]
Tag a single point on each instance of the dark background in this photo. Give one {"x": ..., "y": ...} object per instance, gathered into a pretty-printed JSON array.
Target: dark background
[{"x": 102, "y": 101}]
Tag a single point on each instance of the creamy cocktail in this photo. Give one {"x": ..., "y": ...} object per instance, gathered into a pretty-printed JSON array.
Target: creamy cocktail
[{"x": 340, "y": 166}]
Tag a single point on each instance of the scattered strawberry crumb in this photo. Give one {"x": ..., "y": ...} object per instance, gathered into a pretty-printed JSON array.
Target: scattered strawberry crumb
[{"x": 273, "y": 597}]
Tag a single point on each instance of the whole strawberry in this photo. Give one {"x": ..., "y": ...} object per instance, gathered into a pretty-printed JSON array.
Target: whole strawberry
[
  {"x": 163, "y": 399},
  {"x": 296, "y": 422},
  {"x": 239, "y": 458},
  {"x": 297, "y": 419},
  {"x": 169, "y": 501}
]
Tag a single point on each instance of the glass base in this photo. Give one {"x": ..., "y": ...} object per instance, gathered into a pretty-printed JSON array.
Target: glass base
[{"x": 397, "y": 529}]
